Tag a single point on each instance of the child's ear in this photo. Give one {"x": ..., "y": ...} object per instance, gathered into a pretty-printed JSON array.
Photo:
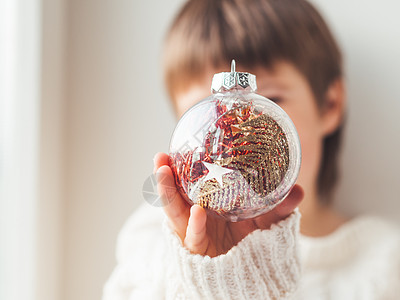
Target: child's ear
[{"x": 333, "y": 110}]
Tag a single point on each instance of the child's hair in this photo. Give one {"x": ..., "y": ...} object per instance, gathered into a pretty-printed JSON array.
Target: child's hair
[{"x": 210, "y": 33}]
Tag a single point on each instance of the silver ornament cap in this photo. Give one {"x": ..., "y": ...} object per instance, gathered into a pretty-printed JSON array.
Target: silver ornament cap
[{"x": 233, "y": 80}]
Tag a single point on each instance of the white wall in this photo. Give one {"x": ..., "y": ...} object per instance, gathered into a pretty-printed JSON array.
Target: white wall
[
  {"x": 52, "y": 141},
  {"x": 369, "y": 33},
  {"x": 117, "y": 118}
]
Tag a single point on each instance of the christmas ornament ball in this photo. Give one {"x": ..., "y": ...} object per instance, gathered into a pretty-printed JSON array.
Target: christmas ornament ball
[{"x": 235, "y": 152}]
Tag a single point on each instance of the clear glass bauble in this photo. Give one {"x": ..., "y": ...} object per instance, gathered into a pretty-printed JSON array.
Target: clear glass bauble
[{"x": 235, "y": 153}]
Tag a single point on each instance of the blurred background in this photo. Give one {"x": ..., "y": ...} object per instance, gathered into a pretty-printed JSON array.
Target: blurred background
[{"x": 83, "y": 111}]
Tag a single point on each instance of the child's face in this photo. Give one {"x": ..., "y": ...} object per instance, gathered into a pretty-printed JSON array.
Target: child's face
[{"x": 290, "y": 90}]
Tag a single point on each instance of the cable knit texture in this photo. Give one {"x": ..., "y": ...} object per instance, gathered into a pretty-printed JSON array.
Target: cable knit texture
[
  {"x": 359, "y": 261},
  {"x": 264, "y": 265}
]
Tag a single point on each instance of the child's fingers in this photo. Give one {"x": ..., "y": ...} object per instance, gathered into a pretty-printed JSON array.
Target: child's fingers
[
  {"x": 284, "y": 209},
  {"x": 196, "y": 234},
  {"x": 294, "y": 198},
  {"x": 175, "y": 207},
  {"x": 160, "y": 159}
]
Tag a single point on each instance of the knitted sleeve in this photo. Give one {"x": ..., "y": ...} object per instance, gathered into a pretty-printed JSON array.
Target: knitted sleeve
[
  {"x": 264, "y": 265},
  {"x": 153, "y": 264}
]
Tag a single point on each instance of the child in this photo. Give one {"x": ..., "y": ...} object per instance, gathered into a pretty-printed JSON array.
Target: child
[{"x": 181, "y": 253}]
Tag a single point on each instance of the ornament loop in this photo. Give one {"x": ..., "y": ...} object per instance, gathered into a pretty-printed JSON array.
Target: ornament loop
[{"x": 233, "y": 80}]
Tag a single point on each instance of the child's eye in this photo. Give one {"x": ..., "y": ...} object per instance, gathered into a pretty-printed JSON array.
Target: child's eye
[{"x": 277, "y": 100}]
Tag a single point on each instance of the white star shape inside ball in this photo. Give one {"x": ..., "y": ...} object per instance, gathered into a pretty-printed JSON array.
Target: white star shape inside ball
[{"x": 215, "y": 171}]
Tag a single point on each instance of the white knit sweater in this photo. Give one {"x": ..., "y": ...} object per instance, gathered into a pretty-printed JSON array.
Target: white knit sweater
[{"x": 360, "y": 260}]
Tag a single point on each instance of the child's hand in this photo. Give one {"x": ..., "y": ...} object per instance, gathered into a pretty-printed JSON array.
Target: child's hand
[{"x": 212, "y": 236}]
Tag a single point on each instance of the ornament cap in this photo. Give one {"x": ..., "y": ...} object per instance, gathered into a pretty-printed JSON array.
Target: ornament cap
[{"x": 233, "y": 80}]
